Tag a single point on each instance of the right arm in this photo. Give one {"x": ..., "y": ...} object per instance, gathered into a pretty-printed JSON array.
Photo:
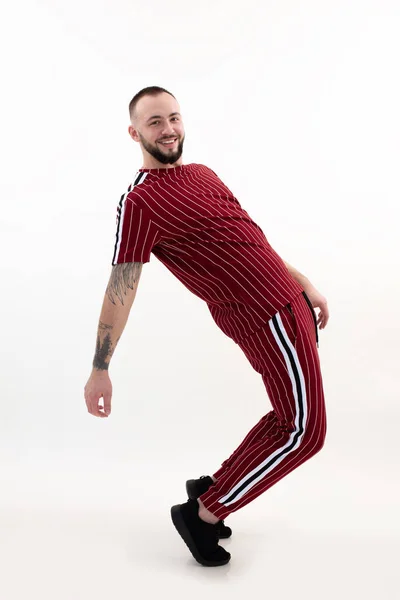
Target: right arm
[{"x": 118, "y": 300}]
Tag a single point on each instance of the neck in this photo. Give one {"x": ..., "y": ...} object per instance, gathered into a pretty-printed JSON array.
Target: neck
[{"x": 152, "y": 163}]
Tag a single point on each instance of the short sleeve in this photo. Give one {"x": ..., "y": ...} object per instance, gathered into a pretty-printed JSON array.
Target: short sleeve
[{"x": 136, "y": 233}]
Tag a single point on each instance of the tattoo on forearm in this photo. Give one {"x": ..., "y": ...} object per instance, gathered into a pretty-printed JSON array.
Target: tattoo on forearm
[
  {"x": 123, "y": 277},
  {"x": 104, "y": 348},
  {"x": 103, "y": 352}
]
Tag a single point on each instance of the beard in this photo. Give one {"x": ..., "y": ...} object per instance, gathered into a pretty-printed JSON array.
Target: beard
[{"x": 166, "y": 157}]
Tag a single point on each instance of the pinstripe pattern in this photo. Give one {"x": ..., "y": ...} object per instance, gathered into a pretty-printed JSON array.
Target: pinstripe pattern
[
  {"x": 285, "y": 354},
  {"x": 300, "y": 401},
  {"x": 196, "y": 227},
  {"x": 121, "y": 217}
]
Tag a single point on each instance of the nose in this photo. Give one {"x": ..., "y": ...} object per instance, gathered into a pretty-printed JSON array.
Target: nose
[{"x": 168, "y": 130}]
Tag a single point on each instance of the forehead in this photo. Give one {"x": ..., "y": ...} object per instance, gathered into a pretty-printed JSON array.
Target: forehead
[{"x": 162, "y": 105}]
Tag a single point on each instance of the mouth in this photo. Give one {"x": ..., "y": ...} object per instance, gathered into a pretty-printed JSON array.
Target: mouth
[{"x": 168, "y": 143}]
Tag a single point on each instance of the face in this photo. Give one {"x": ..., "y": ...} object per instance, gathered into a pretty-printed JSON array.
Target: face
[{"x": 158, "y": 120}]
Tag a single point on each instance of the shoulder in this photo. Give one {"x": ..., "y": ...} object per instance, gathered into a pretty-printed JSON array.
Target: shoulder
[{"x": 205, "y": 169}]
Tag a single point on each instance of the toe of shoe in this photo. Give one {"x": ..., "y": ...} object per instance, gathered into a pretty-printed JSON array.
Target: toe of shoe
[{"x": 220, "y": 556}]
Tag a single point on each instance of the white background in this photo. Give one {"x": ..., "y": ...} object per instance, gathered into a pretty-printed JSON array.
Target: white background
[{"x": 295, "y": 105}]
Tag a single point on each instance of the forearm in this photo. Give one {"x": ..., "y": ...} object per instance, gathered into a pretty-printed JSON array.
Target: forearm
[
  {"x": 299, "y": 277},
  {"x": 111, "y": 325},
  {"x": 118, "y": 300}
]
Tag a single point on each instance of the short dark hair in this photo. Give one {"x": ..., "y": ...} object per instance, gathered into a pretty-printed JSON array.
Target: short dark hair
[{"x": 153, "y": 90}]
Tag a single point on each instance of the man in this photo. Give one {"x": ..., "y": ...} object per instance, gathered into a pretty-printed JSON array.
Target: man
[{"x": 193, "y": 224}]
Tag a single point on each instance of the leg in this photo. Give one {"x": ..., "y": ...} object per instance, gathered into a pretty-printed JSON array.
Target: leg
[
  {"x": 267, "y": 423},
  {"x": 263, "y": 428},
  {"x": 285, "y": 354}
]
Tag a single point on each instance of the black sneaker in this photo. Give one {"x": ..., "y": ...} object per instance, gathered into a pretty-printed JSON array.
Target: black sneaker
[
  {"x": 200, "y": 537},
  {"x": 195, "y": 488}
]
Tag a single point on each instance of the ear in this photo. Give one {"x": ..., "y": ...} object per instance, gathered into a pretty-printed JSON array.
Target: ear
[{"x": 133, "y": 133}]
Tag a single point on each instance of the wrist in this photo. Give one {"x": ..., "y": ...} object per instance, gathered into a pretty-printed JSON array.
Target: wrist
[{"x": 98, "y": 371}]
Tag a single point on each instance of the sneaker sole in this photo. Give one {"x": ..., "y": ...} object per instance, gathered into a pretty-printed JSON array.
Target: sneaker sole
[{"x": 184, "y": 532}]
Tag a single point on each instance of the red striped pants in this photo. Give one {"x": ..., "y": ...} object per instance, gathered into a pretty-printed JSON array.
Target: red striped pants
[{"x": 285, "y": 353}]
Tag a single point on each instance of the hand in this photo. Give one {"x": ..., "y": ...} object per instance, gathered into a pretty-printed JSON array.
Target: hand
[
  {"x": 319, "y": 301},
  {"x": 98, "y": 386}
]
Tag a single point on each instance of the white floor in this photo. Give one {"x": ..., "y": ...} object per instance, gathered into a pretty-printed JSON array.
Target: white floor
[
  {"x": 80, "y": 555},
  {"x": 81, "y": 530}
]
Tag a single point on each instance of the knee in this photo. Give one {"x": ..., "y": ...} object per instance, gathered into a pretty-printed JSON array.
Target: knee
[
  {"x": 320, "y": 441},
  {"x": 316, "y": 440}
]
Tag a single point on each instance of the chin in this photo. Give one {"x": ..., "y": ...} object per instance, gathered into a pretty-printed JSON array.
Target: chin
[{"x": 171, "y": 160}]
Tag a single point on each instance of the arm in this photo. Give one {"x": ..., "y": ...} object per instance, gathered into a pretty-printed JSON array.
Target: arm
[
  {"x": 317, "y": 300},
  {"x": 299, "y": 277},
  {"x": 118, "y": 300}
]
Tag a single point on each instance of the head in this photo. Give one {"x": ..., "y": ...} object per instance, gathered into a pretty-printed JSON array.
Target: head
[{"x": 155, "y": 119}]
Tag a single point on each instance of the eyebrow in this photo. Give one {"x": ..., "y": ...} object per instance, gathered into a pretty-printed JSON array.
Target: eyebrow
[{"x": 160, "y": 117}]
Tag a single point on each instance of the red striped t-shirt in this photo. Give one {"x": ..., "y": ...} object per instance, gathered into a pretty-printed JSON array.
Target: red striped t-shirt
[{"x": 196, "y": 227}]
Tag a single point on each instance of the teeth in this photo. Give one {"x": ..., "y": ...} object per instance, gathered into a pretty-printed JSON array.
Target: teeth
[{"x": 168, "y": 143}]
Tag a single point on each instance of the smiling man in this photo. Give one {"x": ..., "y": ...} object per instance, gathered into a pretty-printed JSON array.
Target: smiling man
[
  {"x": 190, "y": 220},
  {"x": 162, "y": 146}
]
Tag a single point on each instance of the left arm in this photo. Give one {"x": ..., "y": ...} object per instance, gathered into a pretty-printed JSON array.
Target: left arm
[
  {"x": 299, "y": 277},
  {"x": 316, "y": 299}
]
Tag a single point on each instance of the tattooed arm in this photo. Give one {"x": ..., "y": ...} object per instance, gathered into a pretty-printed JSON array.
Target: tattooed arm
[{"x": 118, "y": 300}]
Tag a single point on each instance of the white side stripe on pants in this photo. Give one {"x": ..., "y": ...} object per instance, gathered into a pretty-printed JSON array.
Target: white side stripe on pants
[{"x": 300, "y": 397}]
